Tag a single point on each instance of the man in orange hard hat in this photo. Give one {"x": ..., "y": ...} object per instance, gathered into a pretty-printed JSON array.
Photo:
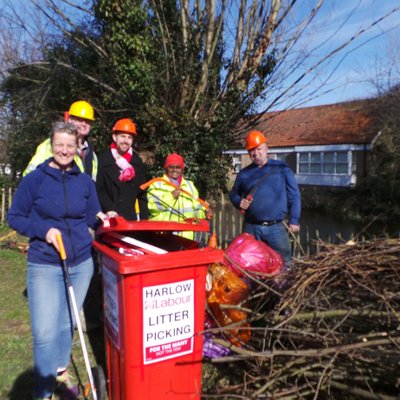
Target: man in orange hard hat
[
  {"x": 81, "y": 115},
  {"x": 267, "y": 192},
  {"x": 121, "y": 172}
]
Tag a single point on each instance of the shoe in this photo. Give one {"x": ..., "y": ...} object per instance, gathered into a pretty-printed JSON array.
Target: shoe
[
  {"x": 43, "y": 398},
  {"x": 65, "y": 387}
]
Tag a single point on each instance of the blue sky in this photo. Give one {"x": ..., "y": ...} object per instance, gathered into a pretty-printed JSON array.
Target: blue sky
[{"x": 373, "y": 57}]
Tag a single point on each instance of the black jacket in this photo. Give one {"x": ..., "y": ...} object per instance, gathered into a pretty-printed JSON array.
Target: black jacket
[{"x": 118, "y": 196}]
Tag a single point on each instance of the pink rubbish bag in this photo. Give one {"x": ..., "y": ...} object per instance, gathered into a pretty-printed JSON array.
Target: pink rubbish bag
[{"x": 252, "y": 256}]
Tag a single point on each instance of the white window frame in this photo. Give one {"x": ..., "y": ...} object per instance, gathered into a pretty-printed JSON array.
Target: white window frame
[
  {"x": 236, "y": 162},
  {"x": 322, "y": 155}
]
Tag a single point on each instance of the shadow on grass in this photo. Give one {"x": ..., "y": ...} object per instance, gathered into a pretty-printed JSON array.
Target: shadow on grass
[{"x": 22, "y": 387}]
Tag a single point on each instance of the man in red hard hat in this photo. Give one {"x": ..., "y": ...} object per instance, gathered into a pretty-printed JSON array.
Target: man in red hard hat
[
  {"x": 121, "y": 172},
  {"x": 267, "y": 192}
]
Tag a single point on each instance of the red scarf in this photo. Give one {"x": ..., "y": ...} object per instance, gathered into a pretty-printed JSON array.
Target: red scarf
[{"x": 127, "y": 155}]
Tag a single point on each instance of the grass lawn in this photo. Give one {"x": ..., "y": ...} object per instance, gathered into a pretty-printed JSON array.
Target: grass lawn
[
  {"x": 16, "y": 358},
  {"x": 15, "y": 336}
]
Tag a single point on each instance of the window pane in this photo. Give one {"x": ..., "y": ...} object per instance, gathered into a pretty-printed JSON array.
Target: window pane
[
  {"x": 315, "y": 157},
  {"x": 329, "y": 157},
  {"x": 315, "y": 168},
  {"x": 341, "y": 168},
  {"x": 329, "y": 168},
  {"x": 303, "y": 169},
  {"x": 303, "y": 157},
  {"x": 341, "y": 156}
]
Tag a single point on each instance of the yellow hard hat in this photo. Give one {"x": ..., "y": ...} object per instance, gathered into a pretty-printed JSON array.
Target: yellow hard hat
[{"x": 82, "y": 109}]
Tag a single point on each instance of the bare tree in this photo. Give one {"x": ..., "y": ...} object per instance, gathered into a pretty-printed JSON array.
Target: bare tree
[{"x": 250, "y": 30}]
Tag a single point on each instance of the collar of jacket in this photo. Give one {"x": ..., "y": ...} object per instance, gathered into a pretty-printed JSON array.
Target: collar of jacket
[{"x": 57, "y": 173}]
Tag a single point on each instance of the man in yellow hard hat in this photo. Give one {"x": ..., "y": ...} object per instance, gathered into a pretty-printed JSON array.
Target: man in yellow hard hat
[
  {"x": 81, "y": 115},
  {"x": 267, "y": 191},
  {"x": 121, "y": 172}
]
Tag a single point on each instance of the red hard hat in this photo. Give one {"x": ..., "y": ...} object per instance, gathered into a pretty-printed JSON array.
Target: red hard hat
[
  {"x": 125, "y": 125},
  {"x": 254, "y": 139}
]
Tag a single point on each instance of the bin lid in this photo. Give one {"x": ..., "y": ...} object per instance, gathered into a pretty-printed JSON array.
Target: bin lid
[
  {"x": 152, "y": 258},
  {"x": 121, "y": 224}
]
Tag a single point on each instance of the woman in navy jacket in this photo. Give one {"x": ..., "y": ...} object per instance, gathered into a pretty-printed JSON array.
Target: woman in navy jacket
[{"x": 55, "y": 198}]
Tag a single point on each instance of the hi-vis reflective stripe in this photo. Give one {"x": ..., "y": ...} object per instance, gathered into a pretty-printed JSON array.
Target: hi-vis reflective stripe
[
  {"x": 191, "y": 189},
  {"x": 158, "y": 204}
]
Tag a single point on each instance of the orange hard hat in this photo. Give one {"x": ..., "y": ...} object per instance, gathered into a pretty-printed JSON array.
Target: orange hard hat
[
  {"x": 254, "y": 139},
  {"x": 125, "y": 125}
]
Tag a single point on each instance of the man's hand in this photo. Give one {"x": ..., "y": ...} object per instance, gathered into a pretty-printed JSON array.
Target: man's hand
[
  {"x": 294, "y": 228},
  {"x": 245, "y": 204}
]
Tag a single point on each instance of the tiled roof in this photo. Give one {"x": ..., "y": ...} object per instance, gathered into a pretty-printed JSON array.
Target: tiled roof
[{"x": 342, "y": 123}]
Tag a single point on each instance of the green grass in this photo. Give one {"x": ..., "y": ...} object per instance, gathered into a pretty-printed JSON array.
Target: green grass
[
  {"x": 16, "y": 358},
  {"x": 15, "y": 336}
]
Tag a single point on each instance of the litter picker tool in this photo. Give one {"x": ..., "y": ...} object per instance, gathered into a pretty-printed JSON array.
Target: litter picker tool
[
  {"x": 137, "y": 210},
  {"x": 144, "y": 186},
  {"x": 70, "y": 288}
]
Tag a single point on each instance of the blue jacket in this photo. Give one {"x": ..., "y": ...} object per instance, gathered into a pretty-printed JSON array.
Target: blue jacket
[
  {"x": 274, "y": 198},
  {"x": 50, "y": 198}
]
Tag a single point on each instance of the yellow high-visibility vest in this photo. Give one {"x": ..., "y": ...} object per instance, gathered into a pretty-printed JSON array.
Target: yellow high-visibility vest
[{"x": 164, "y": 207}]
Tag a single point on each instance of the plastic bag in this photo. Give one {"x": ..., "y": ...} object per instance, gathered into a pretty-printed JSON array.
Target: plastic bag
[
  {"x": 252, "y": 255},
  {"x": 214, "y": 350},
  {"x": 211, "y": 349},
  {"x": 228, "y": 288}
]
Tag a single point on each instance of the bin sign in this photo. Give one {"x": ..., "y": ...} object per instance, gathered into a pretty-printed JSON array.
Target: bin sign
[{"x": 168, "y": 320}]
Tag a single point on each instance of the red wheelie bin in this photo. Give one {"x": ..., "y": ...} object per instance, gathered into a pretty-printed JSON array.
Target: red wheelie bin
[{"x": 154, "y": 308}]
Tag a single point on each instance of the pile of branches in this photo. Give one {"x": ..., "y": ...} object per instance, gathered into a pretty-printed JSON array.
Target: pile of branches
[{"x": 328, "y": 329}]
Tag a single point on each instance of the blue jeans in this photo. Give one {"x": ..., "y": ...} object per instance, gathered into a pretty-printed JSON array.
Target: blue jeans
[
  {"x": 52, "y": 318},
  {"x": 275, "y": 236}
]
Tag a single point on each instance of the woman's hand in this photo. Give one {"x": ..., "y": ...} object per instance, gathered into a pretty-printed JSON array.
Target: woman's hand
[
  {"x": 176, "y": 193},
  {"x": 51, "y": 237},
  {"x": 104, "y": 217}
]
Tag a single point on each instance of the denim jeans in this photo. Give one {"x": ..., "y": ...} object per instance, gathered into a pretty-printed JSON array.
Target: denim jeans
[
  {"x": 52, "y": 318},
  {"x": 275, "y": 236}
]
